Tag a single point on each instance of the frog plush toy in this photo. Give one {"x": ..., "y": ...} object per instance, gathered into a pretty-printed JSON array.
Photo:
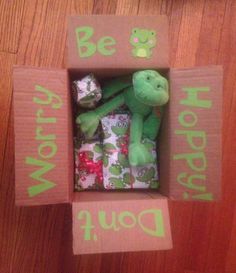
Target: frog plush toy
[
  {"x": 146, "y": 90},
  {"x": 143, "y": 41}
]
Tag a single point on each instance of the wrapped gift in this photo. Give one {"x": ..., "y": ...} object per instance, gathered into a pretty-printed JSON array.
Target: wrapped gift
[
  {"x": 117, "y": 173},
  {"x": 88, "y": 166},
  {"x": 87, "y": 91},
  {"x": 146, "y": 176}
]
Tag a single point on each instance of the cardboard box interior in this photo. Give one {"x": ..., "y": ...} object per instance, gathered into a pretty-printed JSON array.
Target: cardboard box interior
[{"x": 105, "y": 74}]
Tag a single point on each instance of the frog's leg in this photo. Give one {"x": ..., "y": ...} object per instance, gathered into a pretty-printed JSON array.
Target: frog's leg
[
  {"x": 152, "y": 125},
  {"x": 113, "y": 86},
  {"x": 138, "y": 153},
  {"x": 89, "y": 121}
]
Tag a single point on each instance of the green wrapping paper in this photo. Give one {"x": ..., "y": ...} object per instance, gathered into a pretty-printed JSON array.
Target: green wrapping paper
[{"x": 117, "y": 173}]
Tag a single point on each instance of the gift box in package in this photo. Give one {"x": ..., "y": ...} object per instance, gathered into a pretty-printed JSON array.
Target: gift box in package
[
  {"x": 88, "y": 166},
  {"x": 117, "y": 172}
]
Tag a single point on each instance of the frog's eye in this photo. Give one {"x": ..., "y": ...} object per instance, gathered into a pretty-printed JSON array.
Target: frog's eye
[
  {"x": 135, "y": 30},
  {"x": 153, "y": 33}
]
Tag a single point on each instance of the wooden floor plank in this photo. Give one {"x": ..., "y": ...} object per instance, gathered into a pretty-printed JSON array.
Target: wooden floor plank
[
  {"x": 6, "y": 62},
  {"x": 149, "y": 7},
  {"x": 104, "y": 7},
  {"x": 188, "y": 36},
  {"x": 127, "y": 7},
  {"x": 231, "y": 253},
  {"x": 11, "y": 14}
]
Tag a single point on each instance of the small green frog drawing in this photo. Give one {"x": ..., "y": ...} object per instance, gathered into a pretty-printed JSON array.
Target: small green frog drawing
[{"x": 143, "y": 41}]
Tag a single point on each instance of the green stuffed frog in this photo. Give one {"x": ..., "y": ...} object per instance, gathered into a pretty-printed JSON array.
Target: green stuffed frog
[{"x": 146, "y": 90}]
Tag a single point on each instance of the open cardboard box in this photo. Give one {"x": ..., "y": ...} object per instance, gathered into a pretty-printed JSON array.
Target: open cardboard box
[{"x": 189, "y": 143}]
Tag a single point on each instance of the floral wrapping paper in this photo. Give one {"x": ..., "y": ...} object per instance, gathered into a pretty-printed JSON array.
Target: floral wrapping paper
[
  {"x": 88, "y": 166},
  {"x": 117, "y": 173},
  {"x": 87, "y": 91}
]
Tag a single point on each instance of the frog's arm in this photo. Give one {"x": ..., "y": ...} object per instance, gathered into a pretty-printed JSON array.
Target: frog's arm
[
  {"x": 136, "y": 128},
  {"x": 152, "y": 124},
  {"x": 115, "y": 85},
  {"x": 89, "y": 121},
  {"x": 110, "y": 106},
  {"x": 138, "y": 153}
]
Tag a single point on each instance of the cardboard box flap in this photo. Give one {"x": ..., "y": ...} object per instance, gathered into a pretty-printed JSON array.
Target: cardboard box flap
[
  {"x": 113, "y": 42},
  {"x": 190, "y": 141},
  {"x": 43, "y": 136},
  {"x": 119, "y": 225}
]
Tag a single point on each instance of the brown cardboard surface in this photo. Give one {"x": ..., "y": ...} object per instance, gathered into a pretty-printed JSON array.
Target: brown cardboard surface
[
  {"x": 118, "y": 28},
  {"x": 121, "y": 225},
  {"x": 192, "y": 129},
  {"x": 100, "y": 196},
  {"x": 43, "y": 136}
]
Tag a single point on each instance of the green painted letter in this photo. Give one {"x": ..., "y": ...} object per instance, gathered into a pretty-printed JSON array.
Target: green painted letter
[
  {"x": 191, "y": 159},
  {"x": 82, "y": 35},
  {"x": 49, "y": 99},
  {"x": 88, "y": 223},
  {"x": 37, "y": 175},
  {"x": 105, "y": 42},
  {"x": 39, "y": 136},
  {"x": 184, "y": 122},
  {"x": 199, "y": 136},
  {"x": 103, "y": 222},
  {"x": 50, "y": 147},
  {"x": 192, "y": 97},
  {"x": 159, "y": 230},
  {"x": 127, "y": 214},
  {"x": 189, "y": 183}
]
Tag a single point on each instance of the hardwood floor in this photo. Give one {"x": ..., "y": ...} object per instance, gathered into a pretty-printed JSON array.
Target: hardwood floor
[{"x": 33, "y": 240}]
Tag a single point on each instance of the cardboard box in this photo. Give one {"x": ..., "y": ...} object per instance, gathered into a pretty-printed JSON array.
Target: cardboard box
[{"x": 189, "y": 144}]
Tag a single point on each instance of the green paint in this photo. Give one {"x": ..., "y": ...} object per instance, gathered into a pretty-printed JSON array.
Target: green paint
[
  {"x": 159, "y": 230},
  {"x": 87, "y": 48},
  {"x": 191, "y": 159},
  {"x": 197, "y": 141},
  {"x": 194, "y": 135},
  {"x": 204, "y": 196},
  {"x": 47, "y": 149},
  {"x": 105, "y": 46},
  {"x": 39, "y": 135},
  {"x": 47, "y": 145},
  {"x": 192, "y": 97},
  {"x": 127, "y": 214},
  {"x": 51, "y": 98},
  {"x": 103, "y": 220},
  {"x": 189, "y": 181},
  {"x": 41, "y": 119},
  {"x": 182, "y": 118},
  {"x": 142, "y": 40},
  {"x": 123, "y": 220},
  {"x": 37, "y": 175},
  {"x": 88, "y": 224}
]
